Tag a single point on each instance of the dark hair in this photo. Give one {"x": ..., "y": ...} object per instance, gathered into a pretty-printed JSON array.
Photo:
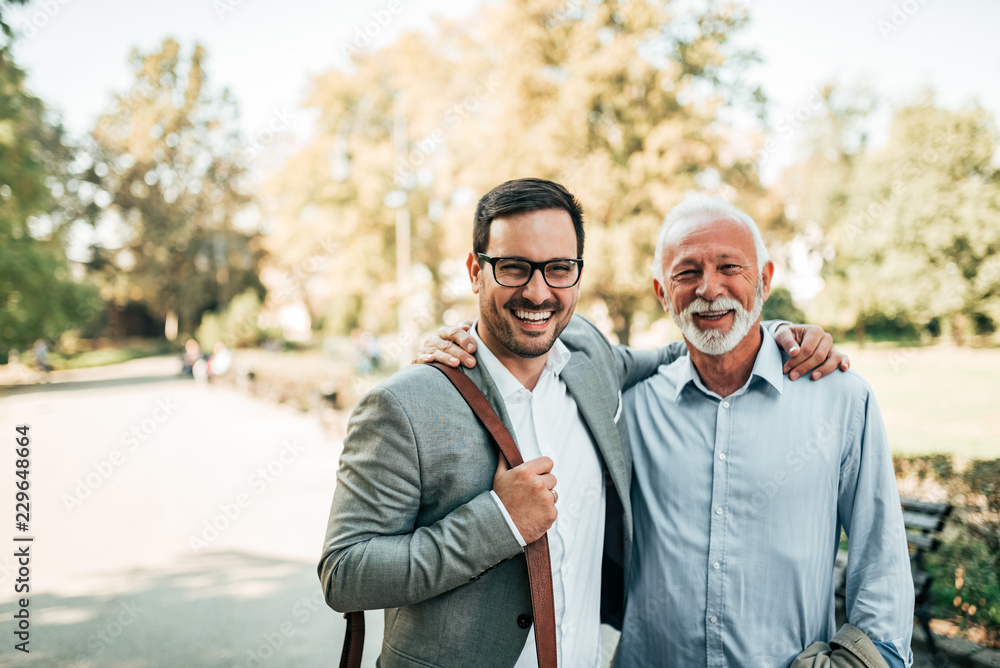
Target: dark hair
[{"x": 522, "y": 196}]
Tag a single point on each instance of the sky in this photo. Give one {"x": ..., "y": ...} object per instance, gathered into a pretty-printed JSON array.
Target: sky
[{"x": 265, "y": 51}]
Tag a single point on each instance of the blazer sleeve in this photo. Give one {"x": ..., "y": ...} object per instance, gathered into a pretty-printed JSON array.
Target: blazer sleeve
[{"x": 375, "y": 555}]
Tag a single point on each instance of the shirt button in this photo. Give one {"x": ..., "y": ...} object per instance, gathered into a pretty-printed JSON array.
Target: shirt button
[
  {"x": 524, "y": 621},
  {"x": 725, "y": 404},
  {"x": 718, "y": 511},
  {"x": 722, "y": 456},
  {"x": 713, "y": 619},
  {"x": 716, "y": 565}
]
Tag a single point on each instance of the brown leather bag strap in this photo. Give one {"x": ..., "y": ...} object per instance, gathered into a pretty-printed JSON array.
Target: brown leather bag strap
[
  {"x": 536, "y": 553},
  {"x": 354, "y": 640}
]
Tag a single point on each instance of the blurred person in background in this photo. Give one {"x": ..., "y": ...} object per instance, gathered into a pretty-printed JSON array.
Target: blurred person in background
[{"x": 191, "y": 355}]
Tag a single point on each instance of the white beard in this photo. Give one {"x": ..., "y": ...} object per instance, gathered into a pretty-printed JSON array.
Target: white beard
[{"x": 714, "y": 342}]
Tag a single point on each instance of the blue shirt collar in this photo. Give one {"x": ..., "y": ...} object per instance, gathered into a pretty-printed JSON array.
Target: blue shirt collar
[{"x": 767, "y": 367}]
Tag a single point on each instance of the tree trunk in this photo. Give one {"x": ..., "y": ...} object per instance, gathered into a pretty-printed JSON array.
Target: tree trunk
[
  {"x": 958, "y": 329},
  {"x": 623, "y": 327}
]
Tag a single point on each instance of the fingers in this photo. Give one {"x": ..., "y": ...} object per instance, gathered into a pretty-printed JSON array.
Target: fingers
[
  {"x": 835, "y": 361},
  {"x": 807, "y": 361},
  {"x": 458, "y": 335},
  {"x": 457, "y": 342},
  {"x": 814, "y": 347},
  {"x": 437, "y": 349},
  {"x": 526, "y": 491},
  {"x": 540, "y": 465},
  {"x": 548, "y": 481},
  {"x": 502, "y": 467},
  {"x": 785, "y": 338}
]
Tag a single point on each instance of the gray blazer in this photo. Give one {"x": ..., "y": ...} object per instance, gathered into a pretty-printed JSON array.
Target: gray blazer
[{"x": 413, "y": 528}]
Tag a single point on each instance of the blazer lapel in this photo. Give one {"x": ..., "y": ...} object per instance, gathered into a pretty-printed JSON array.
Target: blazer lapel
[{"x": 586, "y": 388}]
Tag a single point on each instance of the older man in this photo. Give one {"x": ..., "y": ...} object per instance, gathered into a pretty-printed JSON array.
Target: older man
[{"x": 742, "y": 481}]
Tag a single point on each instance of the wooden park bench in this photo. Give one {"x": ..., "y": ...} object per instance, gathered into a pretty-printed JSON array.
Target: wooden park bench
[{"x": 924, "y": 522}]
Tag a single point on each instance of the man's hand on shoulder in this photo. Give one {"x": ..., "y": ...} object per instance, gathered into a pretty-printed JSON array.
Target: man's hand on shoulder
[
  {"x": 451, "y": 346},
  {"x": 811, "y": 349},
  {"x": 528, "y": 493}
]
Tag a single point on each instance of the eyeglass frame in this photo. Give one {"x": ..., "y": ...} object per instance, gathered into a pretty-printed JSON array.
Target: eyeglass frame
[{"x": 539, "y": 266}]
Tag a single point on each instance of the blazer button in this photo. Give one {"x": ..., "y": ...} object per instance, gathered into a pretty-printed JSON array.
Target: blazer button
[{"x": 524, "y": 621}]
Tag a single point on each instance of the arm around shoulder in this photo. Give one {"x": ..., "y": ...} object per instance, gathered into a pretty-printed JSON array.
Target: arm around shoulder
[{"x": 635, "y": 365}]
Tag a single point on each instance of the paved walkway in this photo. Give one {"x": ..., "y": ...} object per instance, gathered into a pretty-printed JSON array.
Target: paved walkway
[{"x": 175, "y": 524}]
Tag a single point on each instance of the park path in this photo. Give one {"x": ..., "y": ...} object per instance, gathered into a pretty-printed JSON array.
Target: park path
[{"x": 175, "y": 524}]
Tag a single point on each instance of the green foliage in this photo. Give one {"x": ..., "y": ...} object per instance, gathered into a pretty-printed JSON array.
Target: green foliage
[
  {"x": 166, "y": 169},
  {"x": 880, "y": 326},
  {"x": 966, "y": 569},
  {"x": 965, "y": 575},
  {"x": 779, "y": 306},
  {"x": 621, "y": 101},
  {"x": 105, "y": 356},
  {"x": 38, "y": 297},
  {"x": 911, "y": 225},
  {"x": 236, "y": 326},
  {"x": 5, "y": 29}
]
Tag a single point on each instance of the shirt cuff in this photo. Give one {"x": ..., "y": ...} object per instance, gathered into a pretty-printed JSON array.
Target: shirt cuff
[
  {"x": 510, "y": 522},
  {"x": 891, "y": 655}
]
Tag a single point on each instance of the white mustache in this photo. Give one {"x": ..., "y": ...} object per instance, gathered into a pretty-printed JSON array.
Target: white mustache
[{"x": 700, "y": 305}]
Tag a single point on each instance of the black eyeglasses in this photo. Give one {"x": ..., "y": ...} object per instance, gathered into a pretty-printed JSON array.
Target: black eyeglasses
[{"x": 513, "y": 272}]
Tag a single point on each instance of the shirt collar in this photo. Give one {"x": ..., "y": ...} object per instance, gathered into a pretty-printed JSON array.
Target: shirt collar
[
  {"x": 555, "y": 362},
  {"x": 767, "y": 367}
]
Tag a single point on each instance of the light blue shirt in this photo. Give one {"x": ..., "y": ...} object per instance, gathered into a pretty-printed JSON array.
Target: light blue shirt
[{"x": 738, "y": 504}]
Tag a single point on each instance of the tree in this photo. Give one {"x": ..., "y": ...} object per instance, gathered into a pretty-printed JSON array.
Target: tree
[
  {"x": 4, "y": 27},
  {"x": 624, "y": 102},
  {"x": 167, "y": 168},
  {"x": 38, "y": 297},
  {"x": 917, "y": 236},
  {"x": 619, "y": 100}
]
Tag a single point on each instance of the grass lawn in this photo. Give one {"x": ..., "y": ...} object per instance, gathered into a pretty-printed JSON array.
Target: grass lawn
[{"x": 936, "y": 398}]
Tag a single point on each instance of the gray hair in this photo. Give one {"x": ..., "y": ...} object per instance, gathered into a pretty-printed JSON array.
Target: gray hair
[{"x": 706, "y": 208}]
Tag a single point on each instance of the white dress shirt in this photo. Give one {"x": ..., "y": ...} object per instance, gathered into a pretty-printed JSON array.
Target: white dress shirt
[{"x": 547, "y": 422}]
